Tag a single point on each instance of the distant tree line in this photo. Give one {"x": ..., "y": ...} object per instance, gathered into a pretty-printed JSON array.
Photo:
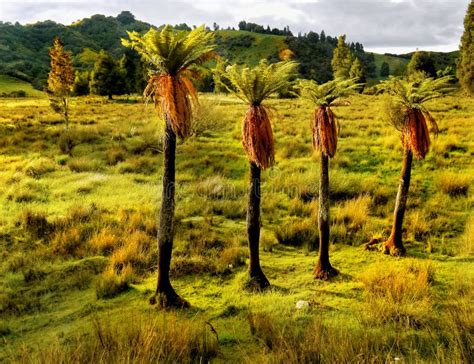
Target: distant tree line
[{"x": 257, "y": 28}]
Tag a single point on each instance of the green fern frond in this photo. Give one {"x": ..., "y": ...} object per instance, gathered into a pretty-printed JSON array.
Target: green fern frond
[
  {"x": 327, "y": 93},
  {"x": 254, "y": 85}
]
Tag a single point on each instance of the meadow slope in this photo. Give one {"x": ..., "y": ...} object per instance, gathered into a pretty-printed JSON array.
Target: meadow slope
[{"x": 78, "y": 246}]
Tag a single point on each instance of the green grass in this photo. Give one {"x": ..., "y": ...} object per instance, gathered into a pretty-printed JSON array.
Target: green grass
[
  {"x": 68, "y": 221},
  {"x": 396, "y": 65},
  {"x": 10, "y": 84}
]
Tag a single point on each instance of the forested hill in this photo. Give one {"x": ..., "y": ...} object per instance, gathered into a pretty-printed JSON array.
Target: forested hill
[{"x": 24, "y": 48}]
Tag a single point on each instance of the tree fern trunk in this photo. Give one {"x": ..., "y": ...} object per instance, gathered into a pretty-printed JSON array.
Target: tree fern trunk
[
  {"x": 164, "y": 291},
  {"x": 257, "y": 280},
  {"x": 394, "y": 244},
  {"x": 324, "y": 269}
]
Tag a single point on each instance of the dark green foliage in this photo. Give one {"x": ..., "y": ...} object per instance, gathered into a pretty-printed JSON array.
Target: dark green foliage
[
  {"x": 313, "y": 53},
  {"x": 465, "y": 71},
  {"x": 106, "y": 79},
  {"x": 421, "y": 62},
  {"x": 81, "y": 83},
  {"x": 384, "y": 70}
]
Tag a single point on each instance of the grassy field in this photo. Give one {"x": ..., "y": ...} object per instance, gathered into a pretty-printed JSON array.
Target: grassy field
[
  {"x": 78, "y": 246},
  {"x": 10, "y": 84}
]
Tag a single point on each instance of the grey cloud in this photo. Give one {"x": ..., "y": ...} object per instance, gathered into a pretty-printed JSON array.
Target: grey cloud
[{"x": 375, "y": 23}]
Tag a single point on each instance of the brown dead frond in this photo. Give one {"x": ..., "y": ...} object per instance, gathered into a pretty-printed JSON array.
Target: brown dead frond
[
  {"x": 257, "y": 137},
  {"x": 325, "y": 131},
  {"x": 417, "y": 134},
  {"x": 174, "y": 96}
]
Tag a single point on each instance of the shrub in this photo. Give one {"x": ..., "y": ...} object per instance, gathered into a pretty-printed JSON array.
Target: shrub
[
  {"x": 111, "y": 284},
  {"x": 62, "y": 159},
  {"x": 454, "y": 184}
]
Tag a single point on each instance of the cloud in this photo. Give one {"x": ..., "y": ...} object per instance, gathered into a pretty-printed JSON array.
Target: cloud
[{"x": 378, "y": 24}]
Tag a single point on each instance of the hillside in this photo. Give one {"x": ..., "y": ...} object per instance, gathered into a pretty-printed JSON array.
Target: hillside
[
  {"x": 10, "y": 86},
  {"x": 24, "y": 48}
]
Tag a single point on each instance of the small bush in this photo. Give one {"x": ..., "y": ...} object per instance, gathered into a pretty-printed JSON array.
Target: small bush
[
  {"x": 111, "y": 284},
  {"x": 62, "y": 159},
  {"x": 454, "y": 184},
  {"x": 208, "y": 117}
]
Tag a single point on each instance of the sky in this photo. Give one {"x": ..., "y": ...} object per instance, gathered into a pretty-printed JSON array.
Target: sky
[{"x": 382, "y": 26}]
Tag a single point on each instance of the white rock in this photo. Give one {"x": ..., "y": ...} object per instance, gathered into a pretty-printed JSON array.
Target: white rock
[{"x": 302, "y": 304}]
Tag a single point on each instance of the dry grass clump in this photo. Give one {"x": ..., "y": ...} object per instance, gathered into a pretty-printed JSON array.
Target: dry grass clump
[
  {"x": 35, "y": 223},
  {"x": 39, "y": 167},
  {"x": 138, "y": 164},
  {"x": 27, "y": 190},
  {"x": 467, "y": 242},
  {"x": 114, "y": 156},
  {"x": 83, "y": 164},
  {"x": 215, "y": 188},
  {"x": 316, "y": 342},
  {"x": 113, "y": 282},
  {"x": 135, "y": 251},
  {"x": 208, "y": 117},
  {"x": 136, "y": 339},
  {"x": 70, "y": 242},
  {"x": 454, "y": 184},
  {"x": 418, "y": 225},
  {"x": 354, "y": 213},
  {"x": 399, "y": 295},
  {"x": 105, "y": 241},
  {"x": 298, "y": 232}
]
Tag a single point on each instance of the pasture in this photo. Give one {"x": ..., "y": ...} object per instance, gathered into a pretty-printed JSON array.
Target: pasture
[{"x": 76, "y": 211}]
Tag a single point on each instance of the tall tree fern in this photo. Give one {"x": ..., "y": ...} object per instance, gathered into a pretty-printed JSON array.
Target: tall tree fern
[
  {"x": 325, "y": 130},
  {"x": 409, "y": 115},
  {"x": 253, "y": 86},
  {"x": 174, "y": 59}
]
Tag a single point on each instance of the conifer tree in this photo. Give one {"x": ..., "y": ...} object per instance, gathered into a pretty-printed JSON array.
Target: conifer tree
[
  {"x": 465, "y": 64},
  {"x": 357, "y": 72},
  {"x": 60, "y": 79},
  {"x": 384, "y": 70},
  {"x": 342, "y": 59}
]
